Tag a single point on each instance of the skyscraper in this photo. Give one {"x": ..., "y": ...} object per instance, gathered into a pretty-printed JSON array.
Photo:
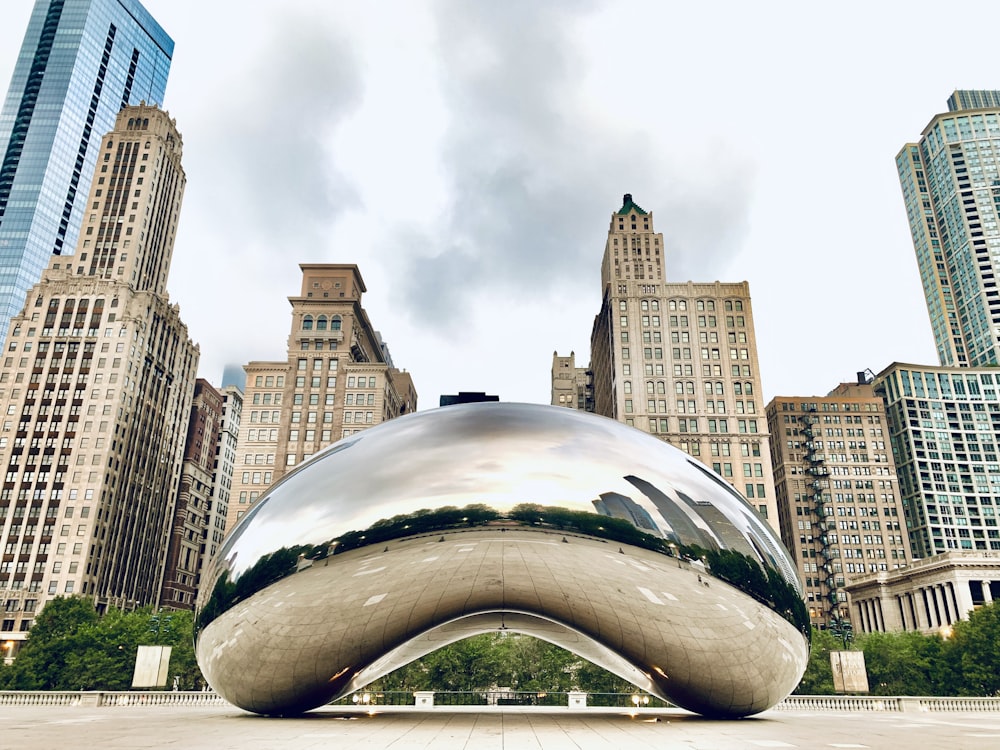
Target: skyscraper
[
  {"x": 193, "y": 508},
  {"x": 944, "y": 424},
  {"x": 951, "y": 187},
  {"x": 81, "y": 62},
  {"x": 96, "y": 389},
  {"x": 338, "y": 379},
  {"x": 679, "y": 360}
]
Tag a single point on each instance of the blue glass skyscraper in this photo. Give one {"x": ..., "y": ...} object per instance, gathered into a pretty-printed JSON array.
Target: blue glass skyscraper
[{"x": 80, "y": 63}]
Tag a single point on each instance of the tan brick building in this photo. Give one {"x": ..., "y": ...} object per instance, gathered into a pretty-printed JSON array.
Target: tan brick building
[
  {"x": 839, "y": 503},
  {"x": 95, "y": 390},
  {"x": 572, "y": 386},
  {"x": 338, "y": 379},
  {"x": 679, "y": 360}
]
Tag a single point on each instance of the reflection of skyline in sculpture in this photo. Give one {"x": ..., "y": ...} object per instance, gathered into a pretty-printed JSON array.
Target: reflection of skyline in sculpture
[
  {"x": 768, "y": 547},
  {"x": 685, "y": 529},
  {"x": 726, "y": 531},
  {"x": 616, "y": 505},
  {"x": 441, "y": 522}
]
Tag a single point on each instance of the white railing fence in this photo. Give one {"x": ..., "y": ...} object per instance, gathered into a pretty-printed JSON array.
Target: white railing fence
[{"x": 844, "y": 703}]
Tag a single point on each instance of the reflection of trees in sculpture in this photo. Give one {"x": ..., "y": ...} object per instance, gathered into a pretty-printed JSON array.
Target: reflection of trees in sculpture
[
  {"x": 731, "y": 566},
  {"x": 269, "y": 569},
  {"x": 419, "y": 522},
  {"x": 765, "y": 585}
]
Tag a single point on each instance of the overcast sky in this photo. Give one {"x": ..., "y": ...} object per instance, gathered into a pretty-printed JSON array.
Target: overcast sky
[{"x": 468, "y": 157}]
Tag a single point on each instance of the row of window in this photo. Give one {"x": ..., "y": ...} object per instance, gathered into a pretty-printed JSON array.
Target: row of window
[
  {"x": 320, "y": 322},
  {"x": 701, "y": 305}
]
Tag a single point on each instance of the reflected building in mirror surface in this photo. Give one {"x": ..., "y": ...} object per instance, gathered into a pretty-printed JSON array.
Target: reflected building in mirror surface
[{"x": 563, "y": 525}]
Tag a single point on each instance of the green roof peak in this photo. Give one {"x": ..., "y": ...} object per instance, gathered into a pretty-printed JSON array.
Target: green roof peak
[{"x": 629, "y": 205}]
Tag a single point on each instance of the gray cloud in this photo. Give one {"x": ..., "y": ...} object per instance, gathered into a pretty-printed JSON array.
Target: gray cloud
[
  {"x": 269, "y": 156},
  {"x": 533, "y": 179},
  {"x": 263, "y": 187}
]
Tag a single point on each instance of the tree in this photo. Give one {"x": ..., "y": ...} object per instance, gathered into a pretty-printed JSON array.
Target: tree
[
  {"x": 72, "y": 648},
  {"x": 977, "y": 641},
  {"x": 906, "y": 663},
  {"x": 491, "y": 660},
  {"x": 818, "y": 677},
  {"x": 61, "y": 630}
]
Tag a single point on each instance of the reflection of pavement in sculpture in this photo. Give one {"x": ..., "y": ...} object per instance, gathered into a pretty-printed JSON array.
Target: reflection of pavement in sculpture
[{"x": 310, "y": 630}]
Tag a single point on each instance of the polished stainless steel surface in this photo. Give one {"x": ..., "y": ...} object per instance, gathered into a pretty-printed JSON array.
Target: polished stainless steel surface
[{"x": 465, "y": 519}]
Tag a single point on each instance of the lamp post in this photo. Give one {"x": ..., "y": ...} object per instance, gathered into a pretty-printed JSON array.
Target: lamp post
[{"x": 841, "y": 628}]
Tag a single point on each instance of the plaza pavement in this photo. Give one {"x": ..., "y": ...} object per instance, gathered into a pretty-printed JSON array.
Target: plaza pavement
[{"x": 408, "y": 728}]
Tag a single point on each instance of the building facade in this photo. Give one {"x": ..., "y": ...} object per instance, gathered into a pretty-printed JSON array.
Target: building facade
[
  {"x": 679, "y": 360},
  {"x": 336, "y": 381},
  {"x": 839, "y": 505},
  {"x": 944, "y": 424},
  {"x": 572, "y": 386},
  {"x": 951, "y": 187},
  {"x": 223, "y": 468},
  {"x": 191, "y": 523},
  {"x": 81, "y": 61},
  {"x": 930, "y": 595},
  {"x": 96, "y": 388}
]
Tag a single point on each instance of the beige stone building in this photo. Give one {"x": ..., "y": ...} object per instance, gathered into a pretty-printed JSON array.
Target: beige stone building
[
  {"x": 839, "y": 504},
  {"x": 572, "y": 386},
  {"x": 338, "y": 379},
  {"x": 679, "y": 360},
  {"x": 95, "y": 390},
  {"x": 929, "y": 595}
]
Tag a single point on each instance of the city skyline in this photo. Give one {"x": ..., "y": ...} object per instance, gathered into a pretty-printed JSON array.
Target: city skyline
[{"x": 777, "y": 170}]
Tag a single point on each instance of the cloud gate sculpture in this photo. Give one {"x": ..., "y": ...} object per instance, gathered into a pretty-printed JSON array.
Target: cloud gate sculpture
[{"x": 443, "y": 524}]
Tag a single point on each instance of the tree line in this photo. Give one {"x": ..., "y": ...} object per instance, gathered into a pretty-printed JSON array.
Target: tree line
[
  {"x": 965, "y": 663},
  {"x": 73, "y": 648}
]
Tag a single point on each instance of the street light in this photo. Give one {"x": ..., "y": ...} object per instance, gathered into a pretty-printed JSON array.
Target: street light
[{"x": 841, "y": 628}]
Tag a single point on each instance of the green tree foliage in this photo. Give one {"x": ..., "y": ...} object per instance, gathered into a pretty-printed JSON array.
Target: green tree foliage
[
  {"x": 818, "y": 679},
  {"x": 977, "y": 646},
  {"x": 910, "y": 663},
  {"x": 72, "y": 648},
  {"x": 907, "y": 663},
  {"x": 60, "y": 631},
  {"x": 492, "y": 660}
]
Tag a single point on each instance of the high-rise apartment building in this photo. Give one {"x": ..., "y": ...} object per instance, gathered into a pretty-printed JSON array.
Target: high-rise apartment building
[
  {"x": 223, "y": 468},
  {"x": 191, "y": 525},
  {"x": 679, "y": 360},
  {"x": 839, "y": 503},
  {"x": 951, "y": 187},
  {"x": 337, "y": 380},
  {"x": 95, "y": 392},
  {"x": 81, "y": 62},
  {"x": 944, "y": 423},
  {"x": 572, "y": 386}
]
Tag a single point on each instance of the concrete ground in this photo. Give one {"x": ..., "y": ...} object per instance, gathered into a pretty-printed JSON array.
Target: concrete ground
[{"x": 402, "y": 728}]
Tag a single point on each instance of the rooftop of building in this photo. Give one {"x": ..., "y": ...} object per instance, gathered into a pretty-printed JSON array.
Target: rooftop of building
[{"x": 629, "y": 205}]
